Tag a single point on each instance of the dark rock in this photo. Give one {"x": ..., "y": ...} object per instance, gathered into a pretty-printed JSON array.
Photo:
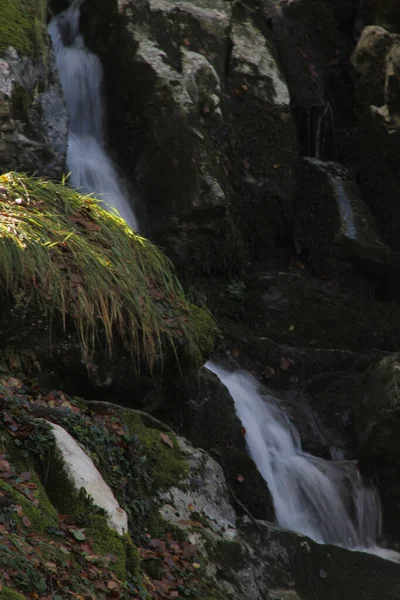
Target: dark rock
[
  {"x": 204, "y": 412},
  {"x": 199, "y": 112},
  {"x": 376, "y": 61},
  {"x": 334, "y": 222},
  {"x": 377, "y": 423},
  {"x": 296, "y": 567}
]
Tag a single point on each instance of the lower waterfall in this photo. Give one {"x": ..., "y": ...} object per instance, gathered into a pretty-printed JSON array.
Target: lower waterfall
[
  {"x": 325, "y": 500},
  {"x": 81, "y": 77}
]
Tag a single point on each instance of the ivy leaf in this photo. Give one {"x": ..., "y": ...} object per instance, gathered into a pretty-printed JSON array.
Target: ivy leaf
[{"x": 79, "y": 535}]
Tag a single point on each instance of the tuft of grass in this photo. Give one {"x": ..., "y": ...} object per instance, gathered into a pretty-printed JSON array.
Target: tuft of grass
[{"x": 69, "y": 257}]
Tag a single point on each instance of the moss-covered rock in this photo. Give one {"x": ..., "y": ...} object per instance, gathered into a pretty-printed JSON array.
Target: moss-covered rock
[
  {"x": 91, "y": 273},
  {"x": 33, "y": 118},
  {"x": 7, "y": 594},
  {"x": 23, "y": 26}
]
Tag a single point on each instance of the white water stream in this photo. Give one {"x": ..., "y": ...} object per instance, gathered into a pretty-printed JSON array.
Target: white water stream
[
  {"x": 326, "y": 500},
  {"x": 81, "y": 77}
]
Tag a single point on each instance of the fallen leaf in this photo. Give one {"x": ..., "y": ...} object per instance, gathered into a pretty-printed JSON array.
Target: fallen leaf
[
  {"x": 112, "y": 585},
  {"x": 5, "y": 465},
  {"x": 285, "y": 363},
  {"x": 240, "y": 478},
  {"x": 20, "y": 510},
  {"x": 166, "y": 439},
  {"x": 26, "y": 521},
  {"x": 196, "y": 565}
]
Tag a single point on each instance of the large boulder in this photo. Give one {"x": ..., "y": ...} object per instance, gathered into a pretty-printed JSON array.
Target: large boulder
[
  {"x": 33, "y": 118},
  {"x": 377, "y": 424},
  {"x": 199, "y": 113},
  {"x": 377, "y": 410},
  {"x": 376, "y": 61}
]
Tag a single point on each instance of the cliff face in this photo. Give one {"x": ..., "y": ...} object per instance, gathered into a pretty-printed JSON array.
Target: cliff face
[{"x": 262, "y": 141}]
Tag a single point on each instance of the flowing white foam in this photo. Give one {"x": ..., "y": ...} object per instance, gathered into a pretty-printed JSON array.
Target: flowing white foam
[
  {"x": 81, "y": 77},
  {"x": 326, "y": 500}
]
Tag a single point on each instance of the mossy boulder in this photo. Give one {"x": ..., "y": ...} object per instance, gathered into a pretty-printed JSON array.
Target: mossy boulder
[
  {"x": 33, "y": 118},
  {"x": 377, "y": 409},
  {"x": 73, "y": 268},
  {"x": 377, "y": 424}
]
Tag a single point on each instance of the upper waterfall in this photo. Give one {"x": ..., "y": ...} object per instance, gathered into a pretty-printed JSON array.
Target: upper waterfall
[
  {"x": 81, "y": 77},
  {"x": 326, "y": 500}
]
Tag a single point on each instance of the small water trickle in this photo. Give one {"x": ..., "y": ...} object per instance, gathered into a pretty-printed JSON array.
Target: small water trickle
[
  {"x": 325, "y": 500},
  {"x": 81, "y": 76}
]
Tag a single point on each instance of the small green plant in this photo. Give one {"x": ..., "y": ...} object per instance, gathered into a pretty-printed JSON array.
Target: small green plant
[{"x": 236, "y": 290}]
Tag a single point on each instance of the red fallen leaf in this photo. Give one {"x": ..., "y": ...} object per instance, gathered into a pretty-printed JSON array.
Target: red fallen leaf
[
  {"x": 243, "y": 430},
  {"x": 174, "y": 594},
  {"x": 7, "y": 474},
  {"x": 5, "y": 465},
  {"x": 240, "y": 478},
  {"x": 20, "y": 510},
  {"x": 235, "y": 352},
  {"x": 186, "y": 41},
  {"x": 26, "y": 521},
  {"x": 175, "y": 548},
  {"x": 26, "y": 476},
  {"x": 285, "y": 363},
  {"x": 156, "y": 543},
  {"x": 166, "y": 439}
]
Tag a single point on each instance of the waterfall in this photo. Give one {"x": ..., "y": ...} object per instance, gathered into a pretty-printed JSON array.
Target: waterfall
[
  {"x": 81, "y": 77},
  {"x": 325, "y": 500}
]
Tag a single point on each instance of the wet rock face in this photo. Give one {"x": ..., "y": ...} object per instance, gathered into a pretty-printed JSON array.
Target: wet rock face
[
  {"x": 199, "y": 112},
  {"x": 333, "y": 223},
  {"x": 33, "y": 118}
]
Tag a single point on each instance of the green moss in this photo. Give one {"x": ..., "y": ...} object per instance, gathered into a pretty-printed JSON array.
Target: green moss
[
  {"x": 22, "y": 26},
  {"x": 166, "y": 466},
  {"x": 91, "y": 270},
  {"x": 87, "y": 515},
  {"x": 40, "y": 521},
  {"x": 107, "y": 541},
  {"x": 7, "y": 594}
]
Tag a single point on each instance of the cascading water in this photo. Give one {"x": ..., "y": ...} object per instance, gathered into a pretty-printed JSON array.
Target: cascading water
[
  {"x": 325, "y": 500},
  {"x": 81, "y": 76}
]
